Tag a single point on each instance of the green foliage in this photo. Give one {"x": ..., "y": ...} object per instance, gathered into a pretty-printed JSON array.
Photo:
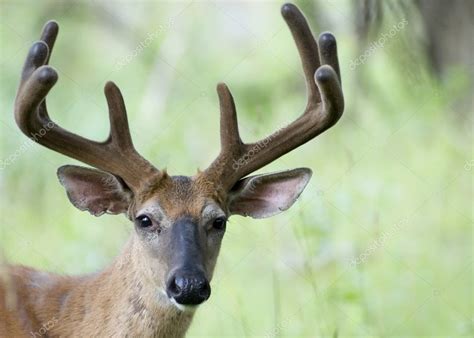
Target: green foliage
[{"x": 380, "y": 242}]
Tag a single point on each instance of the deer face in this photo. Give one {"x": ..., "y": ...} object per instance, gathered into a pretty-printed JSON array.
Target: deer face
[{"x": 180, "y": 221}]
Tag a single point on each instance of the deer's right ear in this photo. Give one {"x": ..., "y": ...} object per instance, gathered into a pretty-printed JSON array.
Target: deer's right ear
[{"x": 95, "y": 191}]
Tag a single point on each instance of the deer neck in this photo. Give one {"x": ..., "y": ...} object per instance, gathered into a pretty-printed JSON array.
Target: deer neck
[{"x": 122, "y": 301}]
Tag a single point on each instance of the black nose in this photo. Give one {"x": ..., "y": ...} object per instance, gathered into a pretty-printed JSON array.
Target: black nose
[{"x": 188, "y": 288}]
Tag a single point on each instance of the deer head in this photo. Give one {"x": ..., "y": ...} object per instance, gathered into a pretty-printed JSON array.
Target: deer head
[{"x": 180, "y": 221}]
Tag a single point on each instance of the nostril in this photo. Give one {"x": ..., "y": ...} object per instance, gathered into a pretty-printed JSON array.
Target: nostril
[
  {"x": 180, "y": 283},
  {"x": 174, "y": 287},
  {"x": 188, "y": 289},
  {"x": 205, "y": 290}
]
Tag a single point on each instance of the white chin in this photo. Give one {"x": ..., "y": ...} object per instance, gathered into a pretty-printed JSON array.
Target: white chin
[{"x": 183, "y": 308}]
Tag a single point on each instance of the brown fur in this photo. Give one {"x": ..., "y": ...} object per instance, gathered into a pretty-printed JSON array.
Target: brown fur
[
  {"x": 127, "y": 299},
  {"x": 122, "y": 300},
  {"x": 179, "y": 195},
  {"x": 119, "y": 301}
]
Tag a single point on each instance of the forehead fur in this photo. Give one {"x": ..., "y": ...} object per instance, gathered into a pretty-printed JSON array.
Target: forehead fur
[{"x": 179, "y": 195}]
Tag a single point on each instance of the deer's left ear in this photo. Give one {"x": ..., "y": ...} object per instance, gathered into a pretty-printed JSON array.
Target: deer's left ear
[
  {"x": 266, "y": 195},
  {"x": 95, "y": 191}
]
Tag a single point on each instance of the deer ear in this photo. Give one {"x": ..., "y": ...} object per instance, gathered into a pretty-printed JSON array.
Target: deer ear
[
  {"x": 262, "y": 196},
  {"x": 95, "y": 191}
]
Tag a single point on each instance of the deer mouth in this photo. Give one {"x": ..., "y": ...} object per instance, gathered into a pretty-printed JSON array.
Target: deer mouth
[{"x": 182, "y": 307}]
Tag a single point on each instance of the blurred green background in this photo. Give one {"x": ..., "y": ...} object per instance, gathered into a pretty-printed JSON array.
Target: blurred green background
[{"x": 380, "y": 242}]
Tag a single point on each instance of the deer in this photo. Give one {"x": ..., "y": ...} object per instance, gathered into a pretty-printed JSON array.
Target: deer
[{"x": 155, "y": 285}]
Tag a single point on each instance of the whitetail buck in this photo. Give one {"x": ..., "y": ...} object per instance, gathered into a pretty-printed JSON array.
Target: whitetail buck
[{"x": 164, "y": 271}]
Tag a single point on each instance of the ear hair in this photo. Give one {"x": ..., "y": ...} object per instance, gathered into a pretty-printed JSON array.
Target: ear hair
[
  {"x": 95, "y": 191},
  {"x": 265, "y": 195}
]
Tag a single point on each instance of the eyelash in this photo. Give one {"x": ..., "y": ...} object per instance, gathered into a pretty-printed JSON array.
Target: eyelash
[
  {"x": 146, "y": 222},
  {"x": 219, "y": 223}
]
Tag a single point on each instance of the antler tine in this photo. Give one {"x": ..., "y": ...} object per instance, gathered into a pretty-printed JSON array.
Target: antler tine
[
  {"x": 115, "y": 155},
  {"x": 307, "y": 47},
  {"x": 324, "y": 108},
  {"x": 119, "y": 129},
  {"x": 230, "y": 137}
]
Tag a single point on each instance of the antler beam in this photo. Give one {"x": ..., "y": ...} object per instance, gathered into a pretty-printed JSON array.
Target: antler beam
[
  {"x": 115, "y": 155},
  {"x": 325, "y": 104}
]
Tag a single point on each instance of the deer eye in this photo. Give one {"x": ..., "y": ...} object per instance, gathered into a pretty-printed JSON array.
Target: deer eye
[
  {"x": 219, "y": 223},
  {"x": 143, "y": 221}
]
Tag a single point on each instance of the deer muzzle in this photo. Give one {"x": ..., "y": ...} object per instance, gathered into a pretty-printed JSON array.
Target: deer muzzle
[{"x": 187, "y": 283}]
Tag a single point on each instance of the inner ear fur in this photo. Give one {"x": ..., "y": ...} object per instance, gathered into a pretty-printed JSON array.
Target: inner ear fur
[
  {"x": 95, "y": 191},
  {"x": 265, "y": 195}
]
